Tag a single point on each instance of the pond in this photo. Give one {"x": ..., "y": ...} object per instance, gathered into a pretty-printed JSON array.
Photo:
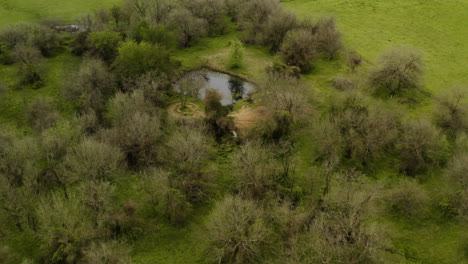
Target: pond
[{"x": 231, "y": 88}]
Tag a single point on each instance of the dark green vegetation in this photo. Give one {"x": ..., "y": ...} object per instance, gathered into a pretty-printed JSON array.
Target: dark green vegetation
[{"x": 94, "y": 167}]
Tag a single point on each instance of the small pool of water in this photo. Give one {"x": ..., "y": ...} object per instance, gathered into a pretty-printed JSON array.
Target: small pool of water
[{"x": 232, "y": 89}]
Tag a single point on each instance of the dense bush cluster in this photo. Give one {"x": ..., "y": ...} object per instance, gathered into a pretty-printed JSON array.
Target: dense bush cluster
[{"x": 83, "y": 187}]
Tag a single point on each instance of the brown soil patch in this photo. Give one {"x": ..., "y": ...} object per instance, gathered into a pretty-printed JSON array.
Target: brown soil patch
[
  {"x": 247, "y": 118},
  {"x": 196, "y": 111}
]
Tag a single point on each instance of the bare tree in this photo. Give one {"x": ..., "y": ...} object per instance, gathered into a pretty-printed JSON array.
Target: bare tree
[
  {"x": 237, "y": 232},
  {"x": 254, "y": 170},
  {"x": 92, "y": 160}
]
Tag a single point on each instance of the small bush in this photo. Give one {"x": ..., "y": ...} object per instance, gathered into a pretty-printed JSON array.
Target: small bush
[
  {"x": 299, "y": 49},
  {"x": 344, "y": 84},
  {"x": 236, "y": 54}
]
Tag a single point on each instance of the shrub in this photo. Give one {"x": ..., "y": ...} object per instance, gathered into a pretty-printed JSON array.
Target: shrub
[
  {"x": 399, "y": 70},
  {"x": 236, "y": 54},
  {"x": 237, "y": 232},
  {"x": 328, "y": 38},
  {"x": 112, "y": 252},
  {"x": 343, "y": 83},
  {"x": 41, "y": 113},
  {"x": 408, "y": 199},
  {"x": 421, "y": 147},
  {"x": 353, "y": 60},
  {"x": 104, "y": 44},
  {"x": 299, "y": 49},
  {"x": 30, "y": 69},
  {"x": 452, "y": 114}
]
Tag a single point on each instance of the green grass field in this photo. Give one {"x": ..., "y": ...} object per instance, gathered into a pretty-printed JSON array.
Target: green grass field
[
  {"x": 438, "y": 27},
  {"x": 12, "y": 11}
]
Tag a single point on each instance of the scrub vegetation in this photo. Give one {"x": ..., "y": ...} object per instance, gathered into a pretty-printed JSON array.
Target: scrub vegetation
[{"x": 350, "y": 150}]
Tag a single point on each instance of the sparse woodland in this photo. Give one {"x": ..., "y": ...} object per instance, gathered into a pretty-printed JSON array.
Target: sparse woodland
[{"x": 324, "y": 179}]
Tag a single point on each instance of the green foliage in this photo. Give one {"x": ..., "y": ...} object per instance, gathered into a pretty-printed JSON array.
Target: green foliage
[
  {"x": 135, "y": 59},
  {"x": 236, "y": 54},
  {"x": 105, "y": 44}
]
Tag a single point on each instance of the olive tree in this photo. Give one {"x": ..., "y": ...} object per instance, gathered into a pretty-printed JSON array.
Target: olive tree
[
  {"x": 92, "y": 85},
  {"x": 399, "y": 70},
  {"x": 236, "y": 231}
]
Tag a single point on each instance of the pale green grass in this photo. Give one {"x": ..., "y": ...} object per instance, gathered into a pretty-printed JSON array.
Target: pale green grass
[
  {"x": 13, "y": 11},
  {"x": 438, "y": 27}
]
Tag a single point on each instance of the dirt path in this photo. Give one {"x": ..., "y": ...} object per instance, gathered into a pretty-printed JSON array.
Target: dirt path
[{"x": 247, "y": 118}]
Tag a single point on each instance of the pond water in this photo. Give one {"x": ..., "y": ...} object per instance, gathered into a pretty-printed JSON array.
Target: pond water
[{"x": 231, "y": 88}]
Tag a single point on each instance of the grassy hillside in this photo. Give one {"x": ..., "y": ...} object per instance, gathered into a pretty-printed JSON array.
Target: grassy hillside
[
  {"x": 12, "y": 11},
  {"x": 438, "y": 27}
]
